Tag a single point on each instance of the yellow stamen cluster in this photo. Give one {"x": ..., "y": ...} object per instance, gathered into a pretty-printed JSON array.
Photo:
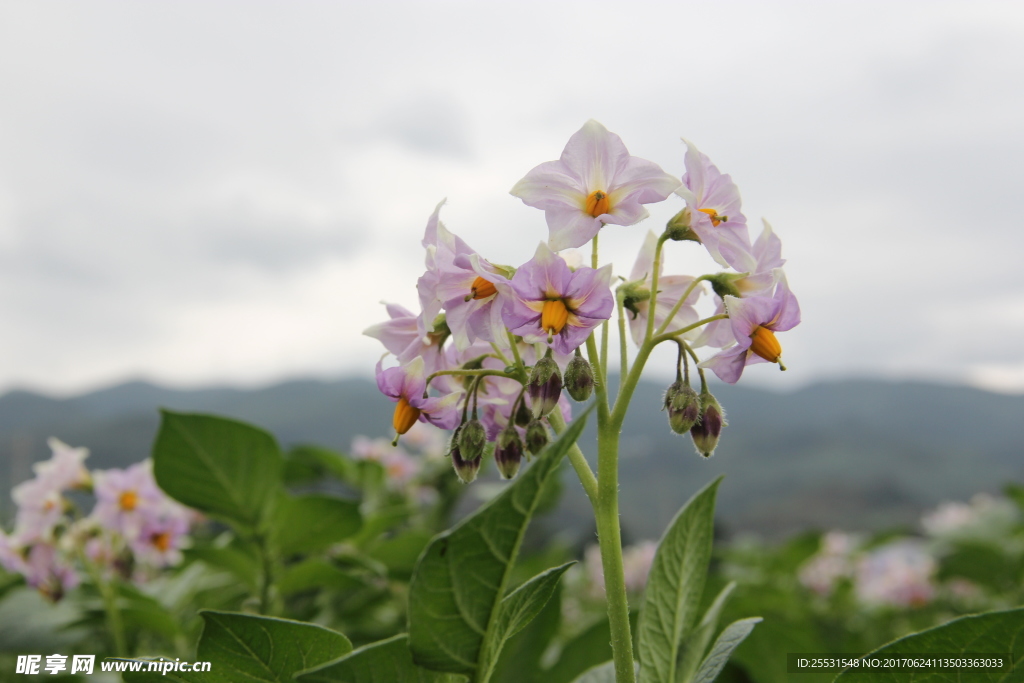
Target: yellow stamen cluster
[
  {"x": 128, "y": 500},
  {"x": 481, "y": 289},
  {"x": 716, "y": 220},
  {"x": 597, "y": 203},
  {"x": 766, "y": 345},
  {"x": 405, "y": 416},
  {"x": 553, "y": 316}
]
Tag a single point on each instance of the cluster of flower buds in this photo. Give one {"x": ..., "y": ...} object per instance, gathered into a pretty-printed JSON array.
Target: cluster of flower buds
[
  {"x": 133, "y": 529},
  {"x": 492, "y": 346}
]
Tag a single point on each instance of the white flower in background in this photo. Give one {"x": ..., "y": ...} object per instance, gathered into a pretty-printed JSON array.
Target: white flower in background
[
  {"x": 898, "y": 574},
  {"x": 986, "y": 516},
  {"x": 832, "y": 563}
]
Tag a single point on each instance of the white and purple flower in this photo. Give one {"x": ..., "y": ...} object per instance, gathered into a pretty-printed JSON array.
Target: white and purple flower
[
  {"x": 754, "y": 322},
  {"x": 593, "y": 183},
  {"x": 714, "y": 203},
  {"x": 405, "y": 385},
  {"x": 556, "y": 305}
]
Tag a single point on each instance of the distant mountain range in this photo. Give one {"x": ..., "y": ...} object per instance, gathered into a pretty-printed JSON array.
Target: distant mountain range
[{"x": 847, "y": 454}]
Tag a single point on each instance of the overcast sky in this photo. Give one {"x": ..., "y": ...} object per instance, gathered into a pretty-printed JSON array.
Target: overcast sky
[{"x": 214, "y": 192}]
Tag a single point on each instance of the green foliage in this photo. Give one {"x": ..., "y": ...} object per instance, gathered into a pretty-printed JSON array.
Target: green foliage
[
  {"x": 313, "y": 522},
  {"x": 266, "y": 649},
  {"x": 729, "y": 640},
  {"x": 456, "y": 592},
  {"x": 225, "y": 468},
  {"x": 996, "y": 633},
  {"x": 674, "y": 588},
  {"x": 245, "y": 647},
  {"x": 516, "y": 611},
  {"x": 387, "y": 661}
]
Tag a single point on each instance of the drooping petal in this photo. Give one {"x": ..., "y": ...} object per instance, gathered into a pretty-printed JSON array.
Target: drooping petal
[
  {"x": 643, "y": 267},
  {"x": 729, "y": 364},
  {"x": 440, "y": 411},
  {"x": 747, "y": 314},
  {"x": 786, "y": 311}
]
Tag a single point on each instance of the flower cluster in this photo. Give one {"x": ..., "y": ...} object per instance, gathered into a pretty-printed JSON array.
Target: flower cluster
[
  {"x": 900, "y": 573},
  {"x": 133, "y": 529},
  {"x": 492, "y": 346}
]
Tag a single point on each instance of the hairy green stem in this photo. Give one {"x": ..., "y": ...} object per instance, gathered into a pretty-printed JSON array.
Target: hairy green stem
[
  {"x": 609, "y": 537},
  {"x": 623, "y": 344}
]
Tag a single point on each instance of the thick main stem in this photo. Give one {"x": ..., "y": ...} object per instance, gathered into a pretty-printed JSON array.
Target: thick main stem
[{"x": 606, "y": 514}]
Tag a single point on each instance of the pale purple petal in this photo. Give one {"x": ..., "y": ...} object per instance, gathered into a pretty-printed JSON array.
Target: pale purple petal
[
  {"x": 786, "y": 311},
  {"x": 643, "y": 267},
  {"x": 440, "y": 411},
  {"x": 747, "y": 314},
  {"x": 389, "y": 381},
  {"x": 768, "y": 249},
  {"x": 542, "y": 277},
  {"x": 588, "y": 294},
  {"x": 626, "y": 213},
  {"x": 571, "y": 338},
  {"x": 551, "y": 185},
  {"x": 430, "y": 234},
  {"x": 728, "y": 364},
  {"x": 569, "y": 228},
  {"x": 593, "y": 154}
]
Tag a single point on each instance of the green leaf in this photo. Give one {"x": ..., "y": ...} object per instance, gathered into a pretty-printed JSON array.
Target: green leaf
[
  {"x": 244, "y": 647},
  {"x": 457, "y": 587},
  {"x": 399, "y": 553},
  {"x": 386, "y": 661},
  {"x": 995, "y": 633},
  {"x": 731, "y": 637},
  {"x": 675, "y": 586},
  {"x": 238, "y": 558},
  {"x": 316, "y": 573},
  {"x": 517, "y": 610},
  {"x": 225, "y": 468},
  {"x": 312, "y": 522},
  {"x": 696, "y": 644},
  {"x": 520, "y": 660}
]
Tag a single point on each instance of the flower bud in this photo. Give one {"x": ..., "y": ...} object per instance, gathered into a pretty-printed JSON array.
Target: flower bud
[
  {"x": 683, "y": 406},
  {"x": 523, "y": 415},
  {"x": 472, "y": 439},
  {"x": 633, "y": 294},
  {"x": 706, "y": 432},
  {"x": 536, "y": 437},
  {"x": 545, "y": 386},
  {"x": 508, "y": 452},
  {"x": 678, "y": 227},
  {"x": 466, "y": 469},
  {"x": 579, "y": 378},
  {"x": 724, "y": 284}
]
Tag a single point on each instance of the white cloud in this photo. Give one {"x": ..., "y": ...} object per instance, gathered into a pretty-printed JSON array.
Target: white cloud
[{"x": 187, "y": 190}]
